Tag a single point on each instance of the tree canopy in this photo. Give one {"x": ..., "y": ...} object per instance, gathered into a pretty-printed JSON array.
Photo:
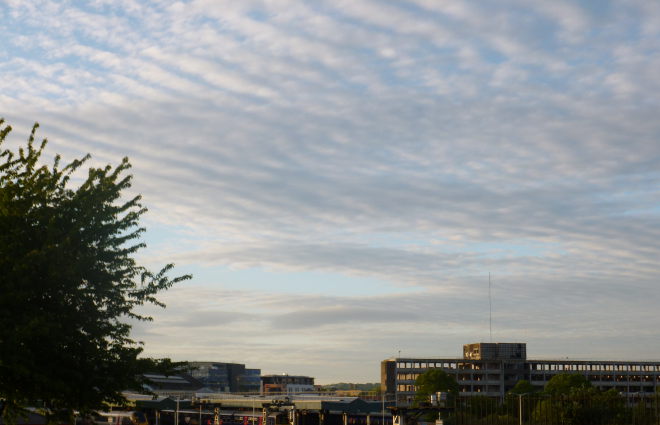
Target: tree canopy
[
  {"x": 567, "y": 383},
  {"x": 70, "y": 283},
  {"x": 523, "y": 386},
  {"x": 574, "y": 400},
  {"x": 433, "y": 381}
]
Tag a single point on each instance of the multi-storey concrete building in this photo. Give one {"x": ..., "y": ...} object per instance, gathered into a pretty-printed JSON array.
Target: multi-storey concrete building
[{"x": 492, "y": 369}]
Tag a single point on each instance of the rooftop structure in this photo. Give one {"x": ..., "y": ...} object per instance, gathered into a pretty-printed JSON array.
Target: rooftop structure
[
  {"x": 287, "y": 384},
  {"x": 495, "y": 351},
  {"x": 173, "y": 385}
]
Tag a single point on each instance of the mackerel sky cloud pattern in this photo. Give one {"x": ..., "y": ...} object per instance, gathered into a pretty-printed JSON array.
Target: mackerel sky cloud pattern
[{"x": 341, "y": 176}]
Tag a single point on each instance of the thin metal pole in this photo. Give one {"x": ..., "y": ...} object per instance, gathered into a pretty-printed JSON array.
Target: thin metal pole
[
  {"x": 176, "y": 418},
  {"x": 490, "y": 309}
]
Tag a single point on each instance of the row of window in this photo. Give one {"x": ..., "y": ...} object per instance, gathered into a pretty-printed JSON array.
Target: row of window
[
  {"x": 569, "y": 367},
  {"x": 496, "y": 388},
  {"x": 608, "y": 378},
  {"x": 539, "y": 377},
  {"x": 608, "y": 367},
  {"x": 536, "y": 379}
]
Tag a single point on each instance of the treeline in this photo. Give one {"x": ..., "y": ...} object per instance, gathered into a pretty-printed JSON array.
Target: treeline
[
  {"x": 345, "y": 386},
  {"x": 593, "y": 408},
  {"x": 566, "y": 399}
]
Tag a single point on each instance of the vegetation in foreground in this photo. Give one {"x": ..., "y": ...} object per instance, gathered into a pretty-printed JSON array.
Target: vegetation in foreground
[
  {"x": 70, "y": 284},
  {"x": 567, "y": 399}
]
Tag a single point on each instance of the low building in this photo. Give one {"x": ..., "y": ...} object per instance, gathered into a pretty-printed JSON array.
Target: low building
[
  {"x": 286, "y": 384},
  {"x": 492, "y": 369},
  {"x": 302, "y": 409},
  {"x": 225, "y": 377},
  {"x": 178, "y": 386}
]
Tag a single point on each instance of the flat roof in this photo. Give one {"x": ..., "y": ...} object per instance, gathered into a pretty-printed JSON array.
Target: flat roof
[{"x": 553, "y": 361}]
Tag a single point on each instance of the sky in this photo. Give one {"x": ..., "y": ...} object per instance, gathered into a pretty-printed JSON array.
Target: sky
[{"x": 341, "y": 177}]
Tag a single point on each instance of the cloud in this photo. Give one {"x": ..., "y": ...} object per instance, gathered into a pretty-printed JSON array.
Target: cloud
[
  {"x": 340, "y": 315},
  {"x": 296, "y": 333},
  {"x": 420, "y": 143}
]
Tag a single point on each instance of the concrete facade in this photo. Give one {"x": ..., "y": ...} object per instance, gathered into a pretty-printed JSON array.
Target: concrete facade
[{"x": 494, "y": 372}]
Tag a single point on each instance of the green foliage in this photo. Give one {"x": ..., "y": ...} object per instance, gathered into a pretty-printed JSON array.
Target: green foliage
[
  {"x": 575, "y": 410},
  {"x": 590, "y": 407},
  {"x": 642, "y": 413},
  {"x": 69, "y": 283},
  {"x": 572, "y": 402},
  {"x": 568, "y": 383},
  {"x": 481, "y": 406},
  {"x": 433, "y": 381},
  {"x": 523, "y": 387},
  {"x": 495, "y": 419}
]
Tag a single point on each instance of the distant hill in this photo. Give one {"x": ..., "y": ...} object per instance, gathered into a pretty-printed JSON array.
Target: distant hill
[{"x": 341, "y": 386}]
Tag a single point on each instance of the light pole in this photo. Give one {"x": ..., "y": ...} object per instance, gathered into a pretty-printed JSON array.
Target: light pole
[
  {"x": 520, "y": 415},
  {"x": 176, "y": 417}
]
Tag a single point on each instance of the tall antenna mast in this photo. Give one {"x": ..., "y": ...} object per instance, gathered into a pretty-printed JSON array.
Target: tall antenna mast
[{"x": 490, "y": 309}]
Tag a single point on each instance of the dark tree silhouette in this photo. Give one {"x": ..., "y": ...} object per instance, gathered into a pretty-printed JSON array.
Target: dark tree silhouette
[{"x": 69, "y": 283}]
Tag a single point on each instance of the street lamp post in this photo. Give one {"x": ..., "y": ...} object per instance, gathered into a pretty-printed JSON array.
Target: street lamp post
[
  {"x": 176, "y": 417},
  {"x": 520, "y": 414}
]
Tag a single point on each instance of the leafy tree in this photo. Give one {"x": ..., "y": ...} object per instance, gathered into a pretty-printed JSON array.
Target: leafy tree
[
  {"x": 495, "y": 419},
  {"x": 69, "y": 284},
  {"x": 568, "y": 383},
  {"x": 433, "y": 381},
  {"x": 573, "y": 401},
  {"x": 513, "y": 403},
  {"x": 481, "y": 406},
  {"x": 522, "y": 387}
]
